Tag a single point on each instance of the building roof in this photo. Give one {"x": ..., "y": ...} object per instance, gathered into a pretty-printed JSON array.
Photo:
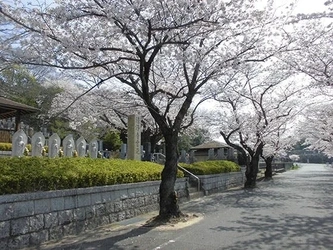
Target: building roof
[
  {"x": 211, "y": 144},
  {"x": 9, "y": 108}
]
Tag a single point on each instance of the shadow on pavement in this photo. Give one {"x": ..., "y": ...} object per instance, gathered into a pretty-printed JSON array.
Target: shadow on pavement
[{"x": 108, "y": 240}]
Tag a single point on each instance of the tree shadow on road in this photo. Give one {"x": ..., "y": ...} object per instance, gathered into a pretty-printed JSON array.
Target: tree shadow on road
[
  {"x": 105, "y": 240},
  {"x": 285, "y": 232}
]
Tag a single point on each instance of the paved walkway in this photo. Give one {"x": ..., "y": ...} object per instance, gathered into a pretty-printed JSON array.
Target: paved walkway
[{"x": 294, "y": 211}]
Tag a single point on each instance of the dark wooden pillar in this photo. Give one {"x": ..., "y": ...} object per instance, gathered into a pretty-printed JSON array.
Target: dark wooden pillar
[{"x": 17, "y": 120}]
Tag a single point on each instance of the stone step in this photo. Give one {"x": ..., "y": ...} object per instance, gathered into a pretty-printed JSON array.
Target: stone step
[
  {"x": 196, "y": 195},
  {"x": 192, "y": 189}
]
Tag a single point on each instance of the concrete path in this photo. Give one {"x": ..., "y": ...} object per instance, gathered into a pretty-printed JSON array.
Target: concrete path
[{"x": 294, "y": 211}]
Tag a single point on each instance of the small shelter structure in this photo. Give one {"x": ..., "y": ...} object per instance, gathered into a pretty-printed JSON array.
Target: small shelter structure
[
  {"x": 213, "y": 150},
  {"x": 9, "y": 109}
]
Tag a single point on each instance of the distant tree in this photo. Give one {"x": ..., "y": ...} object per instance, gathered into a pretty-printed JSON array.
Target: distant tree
[
  {"x": 19, "y": 84},
  {"x": 192, "y": 137},
  {"x": 111, "y": 140},
  {"x": 259, "y": 104}
]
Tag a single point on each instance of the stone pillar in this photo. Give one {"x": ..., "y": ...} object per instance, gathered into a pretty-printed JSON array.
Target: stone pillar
[{"x": 134, "y": 138}]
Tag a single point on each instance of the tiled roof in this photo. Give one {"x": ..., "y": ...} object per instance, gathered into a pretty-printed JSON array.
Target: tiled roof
[
  {"x": 211, "y": 144},
  {"x": 9, "y": 108}
]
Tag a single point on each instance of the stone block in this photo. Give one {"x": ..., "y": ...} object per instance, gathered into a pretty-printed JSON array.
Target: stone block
[
  {"x": 20, "y": 226},
  {"x": 23, "y": 209},
  {"x": 106, "y": 197},
  {"x": 80, "y": 226},
  {"x": 69, "y": 229},
  {"x": 65, "y": 217},
  {"x": 79, "y": 214},
  {"x": 42, "y": 206},
  {"x": 90, "y": 212},
  {"x": 36, "y": 223},
  {"x": 37, "y": 238},
  {"x": 51, "y": 220},
  {"x": 4, "y": 243},
  {"x": 100, "y": 210},
  {"x": 57, "y": 204},
  {"x": 118, "y": 206},
  {"x": 96, "y": 199},
  {"x": 141, "y": 201},
  {"x": 109, "y": 207},
  {"x": 129, "y": 213},
  {"x": 113, "y": 217},
  {"x": 70, "y": 202},
  {"x": 121, "y": 216},
  {"x": 18, "y": 242},
  {"x": 6, "y": 211},
  {"x": 84, "y": 200},
  {"x": 4, "y": 229},
  {"x": 56, "y": 233}
]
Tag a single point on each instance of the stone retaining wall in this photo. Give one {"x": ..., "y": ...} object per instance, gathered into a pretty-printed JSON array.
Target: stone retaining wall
[
  {"x": 219, "y": 182},
  {"x": 32, "y": 218}
]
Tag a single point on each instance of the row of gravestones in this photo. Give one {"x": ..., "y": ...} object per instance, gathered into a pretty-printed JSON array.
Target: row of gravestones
[{"x": 69, "y": 146}]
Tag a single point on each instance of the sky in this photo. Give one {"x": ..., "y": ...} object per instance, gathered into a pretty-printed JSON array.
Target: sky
[{"x": 308, "y": 6}]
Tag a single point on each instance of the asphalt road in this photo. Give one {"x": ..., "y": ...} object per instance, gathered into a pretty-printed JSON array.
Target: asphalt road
[{"x": 294, "y": 211}]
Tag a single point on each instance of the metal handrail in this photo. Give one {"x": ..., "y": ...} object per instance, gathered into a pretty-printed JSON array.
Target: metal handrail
[{"x": 194, "y": 176}]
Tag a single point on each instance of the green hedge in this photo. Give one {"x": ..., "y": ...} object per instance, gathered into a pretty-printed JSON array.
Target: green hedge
[
  {"x": 8, "y": 146},
  {"x": 211, "y": 167},
  {"x": 31, "y": 174},
  {"x": 5, "y": 146}
]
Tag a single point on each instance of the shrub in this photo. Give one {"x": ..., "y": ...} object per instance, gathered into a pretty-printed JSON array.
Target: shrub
[
  {"x": 5, "y": 146},
  {"x": 211, "y": 167},
  {"x": 8, "y": 146},
  {"x": 31, "y": 174}
]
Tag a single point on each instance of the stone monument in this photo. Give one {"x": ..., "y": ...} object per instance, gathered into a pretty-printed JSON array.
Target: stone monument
[
  {"x": 68, "y": 146},
  {"x": 134, "y": 138},
  {"x": 37, "y": 144},
  {"x": 93, "y": 148},
  {"x": 54, "y": 146},
  {"x": 19, "y": 143},
  {"x": 81, "y": 145}
]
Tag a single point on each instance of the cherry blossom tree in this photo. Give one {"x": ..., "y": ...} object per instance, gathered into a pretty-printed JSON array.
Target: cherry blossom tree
[
  {"x": 258, "y": 104},
  {"x": 316, "y": 125},
  {"x": 164, "y": 52}
]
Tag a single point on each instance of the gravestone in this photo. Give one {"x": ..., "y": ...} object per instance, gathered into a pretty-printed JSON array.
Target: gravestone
[
  {"x": 182, "y": 156},
  {"x": 191, "y": 157},
  {"x": 54, "y": 146},
  {"x": 211, "y": 155},
  {"x": 93, "y": 148},
  {"x": 231, "y": 154},
  {"x": 123, "y": 151},
  {"x": 19, "y": 143},
  {"x": 134, "y": 138},
  {"x": 220, "y": 154},
  {"x": 147, "y": 151},
  {"x": 68, "y": 146},
  {"x": 81, "y": 145},
  {"x": 37, "y": 144}
]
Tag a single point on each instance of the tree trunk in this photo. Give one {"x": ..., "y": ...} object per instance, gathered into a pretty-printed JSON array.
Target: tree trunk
[
  {"x": 253, "y": 167},
  {"x": 168, "y": 197},
  {"x": 252, "y": 172},
  {"x": 269, "y": 168}
]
